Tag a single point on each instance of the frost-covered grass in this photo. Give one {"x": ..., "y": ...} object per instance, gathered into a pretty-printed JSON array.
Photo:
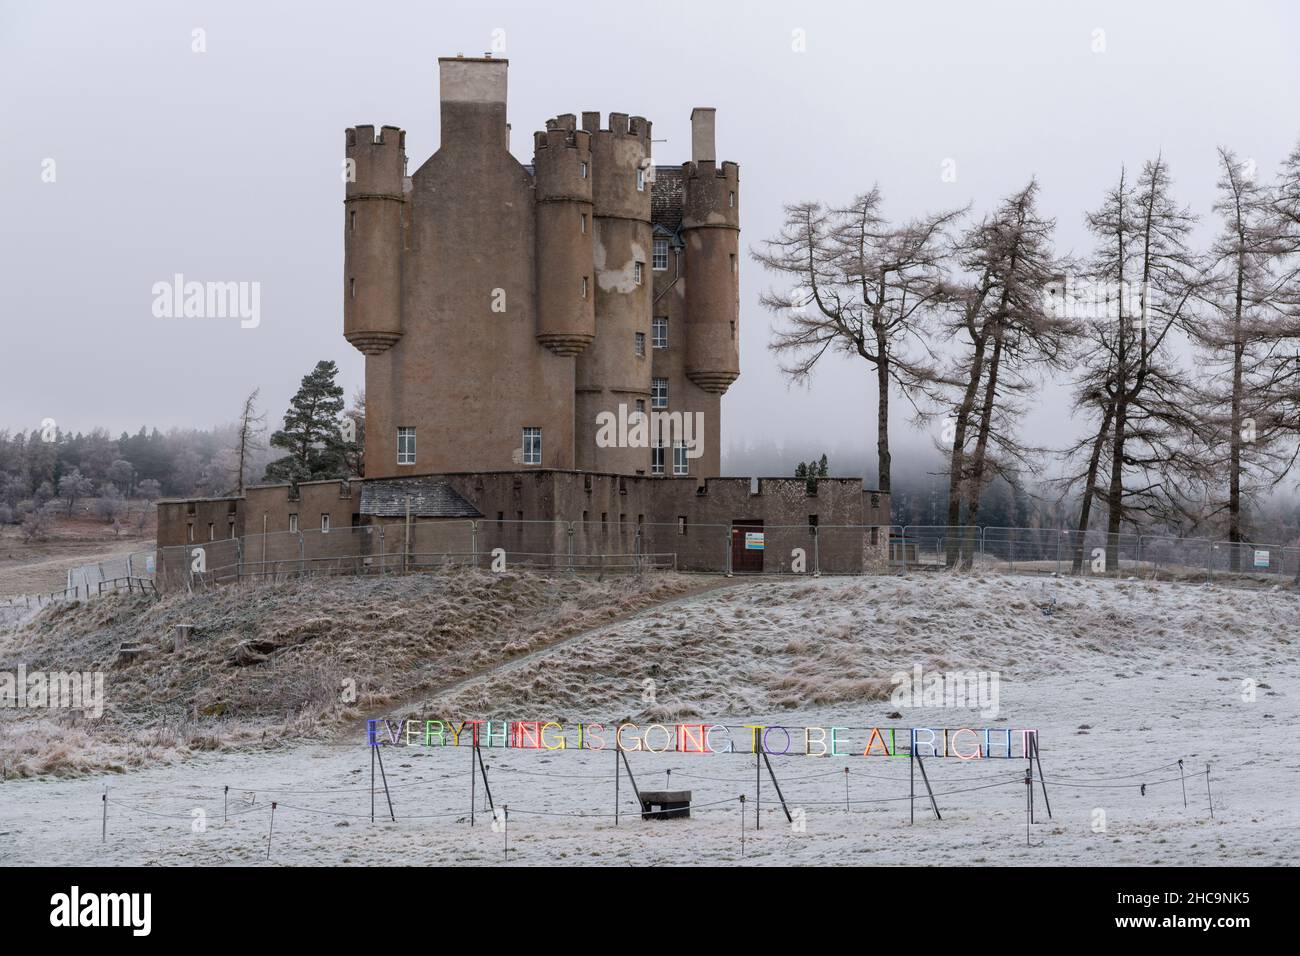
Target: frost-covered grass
[
  {"x": 790, "y": 644},
  {"x": 1121, "y": 679},
  {"x": 274, "y": 660}
]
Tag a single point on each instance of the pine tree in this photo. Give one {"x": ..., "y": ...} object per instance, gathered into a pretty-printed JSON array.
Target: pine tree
[{"x": 311, "y": 433}]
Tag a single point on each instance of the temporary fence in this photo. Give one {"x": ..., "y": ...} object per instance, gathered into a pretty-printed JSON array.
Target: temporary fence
[
  {"x": 1099, "y": 554},
  {"x": 88, "y": 579},
  {"x": 617, "y": 544}
]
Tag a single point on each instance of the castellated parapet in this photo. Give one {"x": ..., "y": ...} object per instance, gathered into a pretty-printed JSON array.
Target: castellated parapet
[{"x": 505, "y": 309}]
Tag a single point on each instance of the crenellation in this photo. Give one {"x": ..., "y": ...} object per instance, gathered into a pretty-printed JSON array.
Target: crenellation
[{"x": 537, "y": 286}]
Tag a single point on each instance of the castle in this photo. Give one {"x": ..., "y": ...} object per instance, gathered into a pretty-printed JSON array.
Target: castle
[
  {"x": 543, "y": 344},
  {"x": 504, "y": 309}
]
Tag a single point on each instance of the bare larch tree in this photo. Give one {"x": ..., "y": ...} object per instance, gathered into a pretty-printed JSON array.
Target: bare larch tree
[
  {"x": 1139, "y": 287},
  {"x": 858, "y": 286},
  {"x": 1246, "y": 337},
  {"x": 247, "y": 438},
  {"x": 997, "y": 307}
]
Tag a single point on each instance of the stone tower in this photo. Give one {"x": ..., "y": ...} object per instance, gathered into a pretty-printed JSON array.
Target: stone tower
[
  {"x": 711, "y": 230},
  {"x": 503, "y": 309}
]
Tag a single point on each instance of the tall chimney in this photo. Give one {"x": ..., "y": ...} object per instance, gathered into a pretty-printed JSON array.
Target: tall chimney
[
  {"x": 472, "y": 95},
  {"x": 703, "y": 147}
]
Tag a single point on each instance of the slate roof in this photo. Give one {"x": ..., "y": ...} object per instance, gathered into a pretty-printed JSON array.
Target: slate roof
[
  {"x": 430, "y": 498},
  {"x": 666, "y": 198}
]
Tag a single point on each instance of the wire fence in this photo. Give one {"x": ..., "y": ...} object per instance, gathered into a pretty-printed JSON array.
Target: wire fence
[{"x": 619, "y": 786}]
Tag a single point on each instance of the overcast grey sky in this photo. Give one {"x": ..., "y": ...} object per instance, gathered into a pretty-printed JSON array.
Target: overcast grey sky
[{"x": 224, "y": 165}]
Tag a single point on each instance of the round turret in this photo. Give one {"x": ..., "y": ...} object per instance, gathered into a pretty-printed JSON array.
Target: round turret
[
  {"x": 566, "y": 299},
  {"x": 372, "y": 238},
  {"x": 611, "y": 372},
  {"x": 711, "y": 233}
]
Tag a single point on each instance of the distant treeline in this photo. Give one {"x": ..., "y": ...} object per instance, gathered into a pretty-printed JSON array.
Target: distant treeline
[{"x": 45, "y": 471}]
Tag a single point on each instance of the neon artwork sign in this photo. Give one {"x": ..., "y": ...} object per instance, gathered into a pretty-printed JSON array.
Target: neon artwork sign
[{"x": 964, "y": 743}]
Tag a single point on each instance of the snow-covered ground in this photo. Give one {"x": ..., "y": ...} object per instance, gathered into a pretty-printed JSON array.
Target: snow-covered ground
[{"x": 1122, "y": 679}]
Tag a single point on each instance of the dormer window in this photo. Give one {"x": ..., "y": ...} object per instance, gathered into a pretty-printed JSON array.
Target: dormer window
[{"x": 659, "y": 258}]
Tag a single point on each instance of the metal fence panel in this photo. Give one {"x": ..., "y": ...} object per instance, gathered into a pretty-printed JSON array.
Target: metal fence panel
[
  {"x": 539, "y": 544},
  {"x": 619, "y": 544},
  {"x": 699, "y": 547}
]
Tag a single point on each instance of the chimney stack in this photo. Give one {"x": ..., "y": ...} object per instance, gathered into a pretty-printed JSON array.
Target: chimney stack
[
  {"x": 472, "y": 96},
  {"x": 703, "y": 147}
]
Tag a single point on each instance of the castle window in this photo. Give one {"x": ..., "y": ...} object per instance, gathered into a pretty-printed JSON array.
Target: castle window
[
  {"x": 293, "y": 523},
  {"x": 659, "y": 331},
  {"x": 352, "y": 220},
  {"x": 212, "y": 531},
  {"x": 532, "y": 446},
  {"x": 406, "y": 446},
  {"x": 639, "y": 342},
  {"x": 640, "y": 406},
  {"x": 638, "y": 270},
  {"x": 679, "y": 458},
  {"x": 659, "y": 259},
  {"x": 731, "y": 200},
  {"x": 325, "y": 524},
  {"x": 640, "y": 180},
  {"x": 733, "y": 264},
  {"x": 582, "y": 170},
  {"x": 584, "y": 287},
  {"x": 352, "y": 288},
  {"x": 657, "y": 459},
  {"x": 659, "y": 393},
  {"x": 190, "y": 532},
  {"x": 681, "y": 524},
  {"x": 582, "y": 223}
]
